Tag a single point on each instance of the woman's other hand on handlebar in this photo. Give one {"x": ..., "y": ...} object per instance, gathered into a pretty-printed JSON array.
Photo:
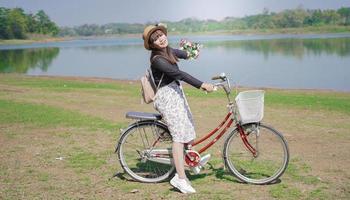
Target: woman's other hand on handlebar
[{"x": 208, "y": 87}]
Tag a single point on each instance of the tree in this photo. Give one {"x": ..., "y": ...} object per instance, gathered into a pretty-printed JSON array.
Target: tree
[
  {"x": 45, "y": 25},
  {"x": 4, "y": 23},
  {"x": 14, "y": 23},
  {"x": 32, "y": 24},
  {"x": 17, "y": 24},
  {"x": 344, "y": 15},
  {"x": 331, "y": 17}
]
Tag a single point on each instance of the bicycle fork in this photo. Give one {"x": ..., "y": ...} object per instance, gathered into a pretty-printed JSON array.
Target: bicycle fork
[{"x": 246, "y": 142}]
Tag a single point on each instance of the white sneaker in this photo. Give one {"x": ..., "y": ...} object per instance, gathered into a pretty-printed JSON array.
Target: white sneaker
[
  {"x": 182, "y": 185},
  {"x": 188, "y": 181},
  {"x": 204, "y": 160}
]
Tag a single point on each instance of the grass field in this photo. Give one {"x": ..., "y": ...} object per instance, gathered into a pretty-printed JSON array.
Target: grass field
[{"x": 58, "y": 134}]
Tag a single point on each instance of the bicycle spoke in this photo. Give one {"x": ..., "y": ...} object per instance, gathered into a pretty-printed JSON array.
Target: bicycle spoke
[
  {"x": 140, "y": 133},
  {"x": 136, "y": 149},
  {"x": 269, "y": 162}
]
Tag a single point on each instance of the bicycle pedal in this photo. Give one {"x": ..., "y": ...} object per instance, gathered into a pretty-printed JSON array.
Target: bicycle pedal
[{"x": 196, "y": 169}]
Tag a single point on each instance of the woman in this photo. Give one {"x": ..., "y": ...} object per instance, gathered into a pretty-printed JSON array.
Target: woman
[{"x": 170, "y": 100}]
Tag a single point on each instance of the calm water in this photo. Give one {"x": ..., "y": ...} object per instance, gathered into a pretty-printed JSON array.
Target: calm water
[{"x": 282, "y": 61}]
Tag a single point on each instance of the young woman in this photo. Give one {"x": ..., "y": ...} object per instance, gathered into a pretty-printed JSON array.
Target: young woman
[{"x": 170, "y": 100}]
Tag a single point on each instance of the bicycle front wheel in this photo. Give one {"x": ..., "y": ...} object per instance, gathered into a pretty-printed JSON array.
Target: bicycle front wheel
[
  {"x": 144, "y": 151},
  {"x": 265, "y": 162}
]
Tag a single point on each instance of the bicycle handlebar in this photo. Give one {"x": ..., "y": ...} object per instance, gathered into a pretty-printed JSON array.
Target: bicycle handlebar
[
  {"x": 224, "y": 83},
  {"x": 222, "y": 76},
  {"x": 215, "y": 78}
]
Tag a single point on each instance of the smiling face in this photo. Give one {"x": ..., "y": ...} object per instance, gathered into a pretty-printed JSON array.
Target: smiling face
[{"x": 159, "y": 40}]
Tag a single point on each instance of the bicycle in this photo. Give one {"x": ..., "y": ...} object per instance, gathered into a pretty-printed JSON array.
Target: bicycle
[{"x": 253, "y": 152}]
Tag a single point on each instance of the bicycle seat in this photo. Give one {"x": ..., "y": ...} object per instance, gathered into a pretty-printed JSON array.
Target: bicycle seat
[{"x": 143, "y": 115}]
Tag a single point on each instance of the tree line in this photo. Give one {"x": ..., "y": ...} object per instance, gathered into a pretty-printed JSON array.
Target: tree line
[
  {"x": 292, "y": 18},
  {"x": 16, "y": 24}
]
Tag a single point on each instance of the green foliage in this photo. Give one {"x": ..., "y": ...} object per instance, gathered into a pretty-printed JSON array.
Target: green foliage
[
  {"x": 43, "y": 24},
  {"x": 15, "y": 24},
  {"x": 344, "y": 15},
  {"x": 292, "y": 18}
]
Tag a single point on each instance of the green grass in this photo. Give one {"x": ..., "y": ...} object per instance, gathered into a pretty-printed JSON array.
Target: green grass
[
  {"x": 319, "y": 194},
  {"x": 255, "y": 169},
  {"x": 65, "y": 85},
  {"x": 41, "y": 115},
  {"x": 299, "y": 170},
  {"x": 330, "y": 101},
  {"x": 283, "y": 191},
  {"x": 90, "y": 160},
  {"x": 307, "y": 100},
  {"x": 82, "y": 160},
  {"x": 44, "y": 177}
]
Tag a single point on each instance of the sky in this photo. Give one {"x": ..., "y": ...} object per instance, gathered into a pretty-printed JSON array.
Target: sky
[{"x": 78, "y": 12}]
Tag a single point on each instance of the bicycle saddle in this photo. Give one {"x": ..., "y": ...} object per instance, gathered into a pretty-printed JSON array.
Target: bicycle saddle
[{"x": 143, "y": 115}]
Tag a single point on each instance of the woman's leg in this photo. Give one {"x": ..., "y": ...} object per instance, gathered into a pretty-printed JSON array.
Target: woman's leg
[
  {"x": 188, "y": 145},
  {"x": 180, "y": 181},
  {"x": 178, "y": 157}
]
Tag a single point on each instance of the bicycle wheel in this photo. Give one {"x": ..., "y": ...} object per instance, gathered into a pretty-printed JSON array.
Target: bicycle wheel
[
  {"x": 139, "y": 149},
  {"x": 269, "y": 162}
]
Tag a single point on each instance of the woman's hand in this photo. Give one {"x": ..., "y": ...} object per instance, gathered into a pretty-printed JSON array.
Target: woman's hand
[{"x": 207, "y": 87}]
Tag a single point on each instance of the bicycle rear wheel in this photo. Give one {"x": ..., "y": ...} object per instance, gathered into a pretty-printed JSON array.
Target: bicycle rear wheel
[
  {"x": 269, "y": 162},
  {"x": 137, "y": 149}
]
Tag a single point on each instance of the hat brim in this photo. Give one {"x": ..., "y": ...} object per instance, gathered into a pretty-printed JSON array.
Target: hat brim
[{"x": 146, "y": 40}]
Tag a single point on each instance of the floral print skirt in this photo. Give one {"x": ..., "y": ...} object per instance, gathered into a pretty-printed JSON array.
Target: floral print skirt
[{"x": 171, "y": 103}]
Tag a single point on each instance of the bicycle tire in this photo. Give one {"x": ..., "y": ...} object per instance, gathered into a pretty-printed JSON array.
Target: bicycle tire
[
  {"x": 136, "y": 139},
  {"x": 270, "y": 145}
]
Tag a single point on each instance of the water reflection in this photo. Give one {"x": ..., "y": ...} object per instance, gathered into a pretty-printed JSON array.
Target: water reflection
[
  {"x": 21, "y": 60},
  {"x": 289, "y": 47},
  {"x": 287, "y": 63}
]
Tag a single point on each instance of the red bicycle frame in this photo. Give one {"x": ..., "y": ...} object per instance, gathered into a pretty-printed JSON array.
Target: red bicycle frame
[{"x": 228, "y": 121}]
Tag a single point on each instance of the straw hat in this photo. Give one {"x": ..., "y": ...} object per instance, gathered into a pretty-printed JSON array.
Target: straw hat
[{"x": 147, "y": 32}]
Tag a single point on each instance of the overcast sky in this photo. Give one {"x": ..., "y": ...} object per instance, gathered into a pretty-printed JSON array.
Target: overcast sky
[{"x": 78, "y": 12}]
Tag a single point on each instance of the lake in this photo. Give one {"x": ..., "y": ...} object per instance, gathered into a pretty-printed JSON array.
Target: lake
[{"x": 320, "y": 61}]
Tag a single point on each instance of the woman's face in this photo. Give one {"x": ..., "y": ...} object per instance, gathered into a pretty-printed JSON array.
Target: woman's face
[{"x": 161, "y": 42}]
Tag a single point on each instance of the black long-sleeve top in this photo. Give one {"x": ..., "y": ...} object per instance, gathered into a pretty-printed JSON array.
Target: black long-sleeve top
[{"x": 171, "y": 71}]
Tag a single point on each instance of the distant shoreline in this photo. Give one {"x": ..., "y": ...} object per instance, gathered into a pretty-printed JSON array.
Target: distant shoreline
[
  {"x": 136, "y": 81},
  {"x": 304, "y": 30}
]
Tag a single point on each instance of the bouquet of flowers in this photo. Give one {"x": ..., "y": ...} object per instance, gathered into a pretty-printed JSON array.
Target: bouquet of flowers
[{"x": 192, "y": 48}]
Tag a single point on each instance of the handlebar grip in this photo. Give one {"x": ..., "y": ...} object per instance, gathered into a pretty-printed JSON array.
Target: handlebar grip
[
  {"x": 216, "y": 78},
  {"x": 222, "y": 76}
]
